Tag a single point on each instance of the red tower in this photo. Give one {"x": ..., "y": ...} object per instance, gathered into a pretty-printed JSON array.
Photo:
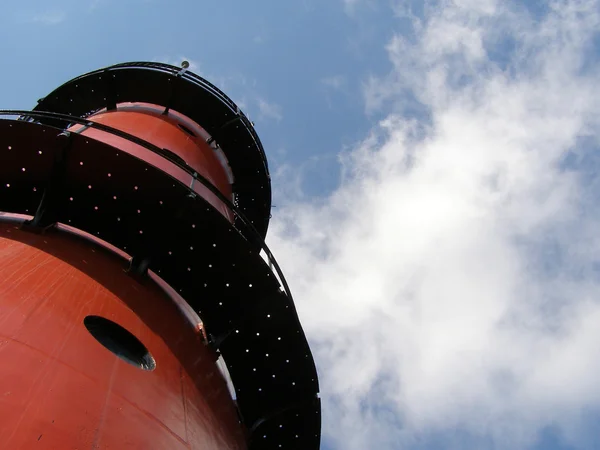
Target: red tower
[{"x": 136, "y": 307}]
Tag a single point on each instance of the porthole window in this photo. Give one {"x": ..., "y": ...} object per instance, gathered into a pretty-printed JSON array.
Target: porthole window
[{"x": 119, "y": 341}]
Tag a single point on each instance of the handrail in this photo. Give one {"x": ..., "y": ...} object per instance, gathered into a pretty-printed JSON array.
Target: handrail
[
  {"x": 155, "y": 149},
  {"x": 196, "y": 79}
]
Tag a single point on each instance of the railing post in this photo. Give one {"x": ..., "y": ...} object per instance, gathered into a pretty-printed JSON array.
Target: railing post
[{"x": 45, "y": 215}]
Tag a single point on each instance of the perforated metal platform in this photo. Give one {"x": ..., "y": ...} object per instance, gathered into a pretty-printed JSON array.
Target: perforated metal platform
[
  {"x": 89, "y": 185},
  {"x": 188, "y": 94}
]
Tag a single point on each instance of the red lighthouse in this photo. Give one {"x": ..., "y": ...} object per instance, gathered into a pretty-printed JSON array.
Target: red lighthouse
[{"x": 138, "y": 307}]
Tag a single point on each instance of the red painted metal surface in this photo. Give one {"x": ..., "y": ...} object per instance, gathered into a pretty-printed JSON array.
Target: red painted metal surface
[
  {"x": 61, "y": 389},
  {"x": 173, "y": 132}
]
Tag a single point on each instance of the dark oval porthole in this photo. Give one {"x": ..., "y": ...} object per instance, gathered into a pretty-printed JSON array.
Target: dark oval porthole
[{"x": 120, "y": 341}]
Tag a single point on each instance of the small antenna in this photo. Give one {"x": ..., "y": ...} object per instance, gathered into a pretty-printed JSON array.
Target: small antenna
[{"x": 185, "y": 64}]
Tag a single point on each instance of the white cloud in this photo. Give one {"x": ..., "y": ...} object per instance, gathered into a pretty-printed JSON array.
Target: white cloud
[
  {"x": 259, "y": 39},
  {"x": 335, "y": 82},
  {"x": 352, "y": 7},
  {"x": 267, "y": 110},
  {"x": 49, "y": 18},
  {"x": 449, "y": 282},
  {"x": 350, "y": 4},
  {"x": 95, "y": 4}
]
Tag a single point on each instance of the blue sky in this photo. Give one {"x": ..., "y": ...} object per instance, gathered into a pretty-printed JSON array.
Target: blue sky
[
  {"x": 296, "y": 67},
  {"x": 434, "y": 174}
]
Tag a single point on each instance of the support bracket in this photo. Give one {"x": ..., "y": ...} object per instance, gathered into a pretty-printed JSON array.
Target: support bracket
[{"x": 45, "y": 215}]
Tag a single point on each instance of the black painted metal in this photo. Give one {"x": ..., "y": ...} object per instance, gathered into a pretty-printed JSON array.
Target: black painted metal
[
  {"x": 243, "y": 224},
  {"x": 45, "y": 213},
  {"x": 26, "y": 164},
  {"x": 192, "y": 96},
  {"x": 189, "y": 244}
]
